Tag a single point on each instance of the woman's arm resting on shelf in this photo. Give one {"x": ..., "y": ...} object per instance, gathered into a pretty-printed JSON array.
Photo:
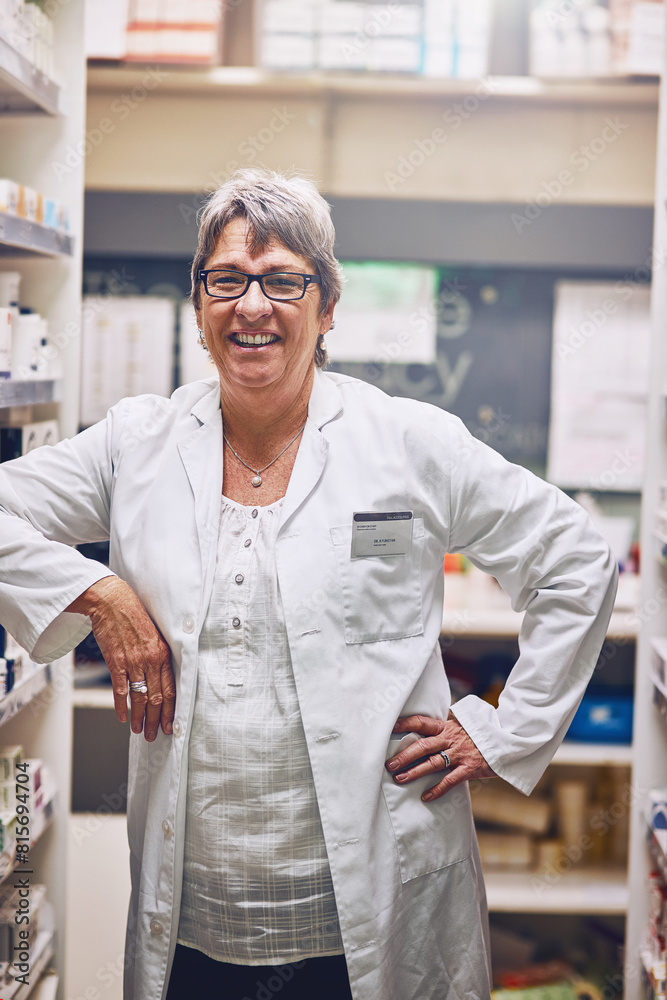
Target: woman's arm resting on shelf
[{"x": 134, "y": 650}]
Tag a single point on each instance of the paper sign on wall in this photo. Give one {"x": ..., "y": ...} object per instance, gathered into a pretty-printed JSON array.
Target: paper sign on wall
[{"x": 599, "y": 385}]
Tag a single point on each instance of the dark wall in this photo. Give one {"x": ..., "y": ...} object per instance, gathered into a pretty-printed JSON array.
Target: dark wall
[{"x": 496, "y": 304}]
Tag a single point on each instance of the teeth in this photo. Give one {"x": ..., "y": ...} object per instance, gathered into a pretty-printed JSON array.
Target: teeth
[{"x": 257, "y": 338}]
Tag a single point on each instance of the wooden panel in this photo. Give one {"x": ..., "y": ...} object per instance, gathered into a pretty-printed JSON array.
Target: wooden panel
[
  {"x": 169, "y": 142},
  {"x": 496, "y": 140},
  {"x": 496, "y": 151}
]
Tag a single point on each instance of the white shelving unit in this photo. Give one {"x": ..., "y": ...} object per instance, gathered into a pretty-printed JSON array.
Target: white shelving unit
[
  {"x": 327, "y": 132},
  {"x": 41, "y": 122},
  {"x": 259, "y": 81},
  {"x": 601, "y": 891},
  {"x": 38, "y": 147},
  {"x": 650, "y": 769},
  {"x": 34, "y": 393},
  {"x": 23, "y": 88},
  {"x": 476, "y": 608},
  {"x": 19, "y": 236}
]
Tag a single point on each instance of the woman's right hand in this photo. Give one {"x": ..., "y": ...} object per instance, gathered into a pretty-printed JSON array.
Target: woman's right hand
[{"x": 134, "y": 650}]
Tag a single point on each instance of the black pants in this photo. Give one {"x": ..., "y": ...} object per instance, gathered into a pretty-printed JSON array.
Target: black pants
[{"x": 194, "y": 974}]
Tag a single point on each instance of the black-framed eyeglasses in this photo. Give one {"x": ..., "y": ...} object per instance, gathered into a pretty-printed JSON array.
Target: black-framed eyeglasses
[{"x": 282, "y": 286}]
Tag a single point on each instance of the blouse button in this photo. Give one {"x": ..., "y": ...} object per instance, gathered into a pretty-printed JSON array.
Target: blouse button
[
  {"x": 247, "y": 542},
  {"x": 239, "y": 578},
  {"x": 236, "y": 622},
  {"x": 255, "y": 512},
  {"x": 166, "y": 828},
  {"x": 188, "y": 624}
]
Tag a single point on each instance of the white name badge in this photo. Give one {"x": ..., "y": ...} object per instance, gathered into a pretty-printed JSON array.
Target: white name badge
[{"x": 382, "y": 533}]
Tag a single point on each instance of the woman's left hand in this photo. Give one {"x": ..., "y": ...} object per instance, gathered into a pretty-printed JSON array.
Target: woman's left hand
[{"x": 436, "y": 735}]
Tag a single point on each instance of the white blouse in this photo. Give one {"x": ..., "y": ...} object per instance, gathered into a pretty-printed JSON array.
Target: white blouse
[{"x": 256, "y": 882}]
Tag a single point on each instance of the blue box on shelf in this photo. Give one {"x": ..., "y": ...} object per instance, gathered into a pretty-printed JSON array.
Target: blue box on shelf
[{"x": 603, "y": 718}]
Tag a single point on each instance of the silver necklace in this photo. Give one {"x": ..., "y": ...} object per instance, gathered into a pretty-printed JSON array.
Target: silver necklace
[{"x": 257, "y": 479}]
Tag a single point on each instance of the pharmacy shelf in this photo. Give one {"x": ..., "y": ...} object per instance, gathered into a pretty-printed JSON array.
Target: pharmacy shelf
[
  {"x": 42, "y": 953},
  {"x": 658, "y": 684},
  {"x": 20, "y": 238},
  {"x": 593, "y": 754},
  {"x": 254, "y": 80},
  {"x": 475, "y": 607},
  {"x": 97, "y": 696},
  {"x": 581, "y": 890},
  {"x": 44, "y": 818},
  {"x": 653, "y": 972},
  {"x": 23, "y": 88},
  {"x": 659, "y": 649},
  {"x": 656, "y": 851},
  {"x": 25, "y": 691},
  {"x": 8, "y": 863},
  {"x": 480, "y": 623},
  {"x": 47, "y": 987},
  {"x": 29, "y": 393}
]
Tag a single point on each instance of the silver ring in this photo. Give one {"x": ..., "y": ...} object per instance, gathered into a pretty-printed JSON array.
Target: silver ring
[
  {"x": 445, "y": 757},
  {"x": 138, "y": 687}
]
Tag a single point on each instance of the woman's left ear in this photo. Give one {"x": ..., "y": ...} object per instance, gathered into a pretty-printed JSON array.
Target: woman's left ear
[{"x": 327, "y": 321}]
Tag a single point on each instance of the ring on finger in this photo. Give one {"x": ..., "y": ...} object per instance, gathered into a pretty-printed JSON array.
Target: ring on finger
[
  {"x": 138, "y": 687},
  {"x": 445, "y": 757}
]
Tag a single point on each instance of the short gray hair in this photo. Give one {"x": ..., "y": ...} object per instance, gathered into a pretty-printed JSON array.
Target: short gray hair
[{"x": 284, "y": 208}]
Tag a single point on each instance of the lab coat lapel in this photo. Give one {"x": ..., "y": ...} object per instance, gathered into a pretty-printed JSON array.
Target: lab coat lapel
[
  {"x": 201, "y": 454},
  {"x": 325, "y": 404}
]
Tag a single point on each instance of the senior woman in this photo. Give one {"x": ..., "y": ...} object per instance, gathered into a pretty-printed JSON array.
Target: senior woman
[{"x": 298, "y": 811}]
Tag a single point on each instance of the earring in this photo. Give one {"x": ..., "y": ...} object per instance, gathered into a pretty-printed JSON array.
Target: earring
[
  {"x": 333, "y": 323},
  {"x": 200, "y": 338}
]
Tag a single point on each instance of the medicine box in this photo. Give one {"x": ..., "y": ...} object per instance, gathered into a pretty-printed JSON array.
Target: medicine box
[
  {"x": 9, "y": 196},
  {"x": 8, "y": 796},
  {"x": 19, "y": 440},
  {"x": 5, "y": 343},
  {"x": 35, "y": 786},
  {"x": 290, "y": 16},
  {"x": 8, "y": 822},
  {"x": 10, "y": 757},
  {"x": 342, "y": 17}
]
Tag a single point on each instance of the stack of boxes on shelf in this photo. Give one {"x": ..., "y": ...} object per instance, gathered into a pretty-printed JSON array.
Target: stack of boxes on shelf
[
  {"x": 127, "y": 349},
  {"x": 596, "y": 39},
  {"x": 26, "y": 802},
  {"x": 660, "y": 528},
  {"x": 11, "y": 757},
  {"x": 437, "y": 38},
  {"x": 16, "y": 664},
  {"x": 26, "y": 352},
  {"x": 654, "y": 954},
  {"x": 434, "y": 38},
  {"x": 26, "y": 203},
  {"x": 561, "y": 826},
  {"x": 27, "y": 27},
  {"x": 637, "y": 31},
  {"x": 658, "y": 673},
  {"x": 182, "y": 31},
  {"x": 18, "y": 939}
]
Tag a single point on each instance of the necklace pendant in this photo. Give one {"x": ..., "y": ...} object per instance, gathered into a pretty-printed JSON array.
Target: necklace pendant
[{"x": 256, "y": 480}]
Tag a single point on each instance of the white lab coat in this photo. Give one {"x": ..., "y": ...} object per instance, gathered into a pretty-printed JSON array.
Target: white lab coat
[{"x": 363, "y": 637}]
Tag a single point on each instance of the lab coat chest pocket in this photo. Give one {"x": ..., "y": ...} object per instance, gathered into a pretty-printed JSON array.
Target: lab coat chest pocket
[
  {"x": 382, "y": 596},
  {"x": 429, "y": 835}
]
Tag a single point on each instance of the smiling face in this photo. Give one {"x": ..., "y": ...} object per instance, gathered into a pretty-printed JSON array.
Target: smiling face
[{"x": 257, "y": 342}]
